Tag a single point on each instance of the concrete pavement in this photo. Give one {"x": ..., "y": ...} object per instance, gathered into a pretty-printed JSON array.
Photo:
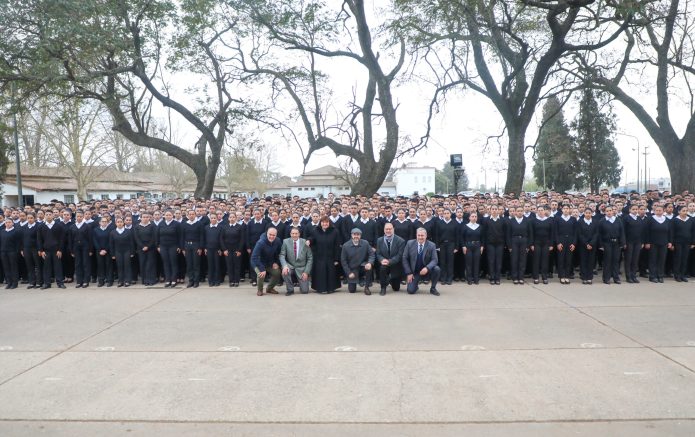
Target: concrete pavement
[{"x": 483, "y": 361}]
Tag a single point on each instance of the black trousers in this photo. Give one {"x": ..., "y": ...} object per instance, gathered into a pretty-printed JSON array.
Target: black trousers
[
  {"x": 632, "y": 253},
  {"x": 123, "y": 266},
  {"x": 518, "y": 258},
  {"x": 459, "y": 265},
  {"x": 233, "y": 266},
  {"x": 104, "y": 269},
  {"x": 680, "y": 260},
  {"x": 361, "y": 274},
  {"x": 83, "y": 264},
  {"x": 68, "y": 264},
  {"x": 494, "y": 260},
  {"x": 657, "y": 261},
  {"x": 446, "y": 261},
  {"x": 148, "y": 265},
  {"x": 170, "y": 263},
  {"x": 192, "y": 263},
  {"x": 541, "y": 259},
  {"x": 564, "y": 261},
  {"x": 611, "y": 261},
  {"x": 10, "y": 266},
  {"x": 587, "y": 261},
  {"x": 386, "y": 277},
  {"x": 213, "y": 267},
  {"x": 52, "y": 267},
  {"x": 32, "y": 261},
  {"x": 473, "y": 262}
]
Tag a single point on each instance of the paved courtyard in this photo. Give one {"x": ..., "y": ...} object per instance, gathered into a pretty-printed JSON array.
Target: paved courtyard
[{"x": 481, "y": 361}]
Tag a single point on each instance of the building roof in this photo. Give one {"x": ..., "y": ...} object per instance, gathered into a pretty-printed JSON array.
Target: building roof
[
  {"x": 318, "y": 183},
  {"x": 326, "y": 170}
]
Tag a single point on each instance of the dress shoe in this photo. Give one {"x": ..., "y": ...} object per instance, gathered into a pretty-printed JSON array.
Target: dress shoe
[
  {"x": 684, "y": 279},
  {"x": 189, "y": 285},
  {"x": 110, "y": 284},
  {"x": 259, "y": 293},
  {"x": 31, "y": 286},
  {"x": 654, "y": 280},
  {"x": 382, "y": 292},
  {"x": 120, "y": 284},
  {"x": 497, "y": 282},
  {"x": 44, "y": 287},
  {"x": 61, "y": 286},
  {"x": 635, "y": 280},
  {"x": 271, "y": 291},
  {"x": 607, "y": 282},
  {"x": 8, "y": 286},
  {"x": 85, "y": 285},
  {"x": 100, "y": 285},
  {"x": 78, "y": 286},
  {"x": 434, "y": 291},
  {"x": 196, "y": 285},
  {"x": 629, "y": 280},
  {"x": 127, "y": 284},
  {"x": 254, "y": 283},
  {"x": 13, "y": 286},
  {"x": 535, "y": 281},
  {"x": 289, "y": 293},
  {"x": 617, "y": 281},
  {"x": 367, "y": 291}
]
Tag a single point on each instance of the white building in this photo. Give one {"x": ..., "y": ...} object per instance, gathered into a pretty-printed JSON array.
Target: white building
[
  {"x": 327, "y": 179},
  {"x": 411, "y": 179}
]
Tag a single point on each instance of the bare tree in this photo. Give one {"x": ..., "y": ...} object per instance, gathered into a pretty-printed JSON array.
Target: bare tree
[
  {"x": 72, "y": 131},
  {"x": 308, "y": 30}
]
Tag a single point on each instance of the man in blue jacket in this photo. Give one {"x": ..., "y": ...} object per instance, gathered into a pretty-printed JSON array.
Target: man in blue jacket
[{"x": 265, "y": 259}]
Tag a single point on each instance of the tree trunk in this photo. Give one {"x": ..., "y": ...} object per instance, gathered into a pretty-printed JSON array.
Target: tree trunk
[
  {"x": 516, "y": 165},
  {"x": 680, "y": 159},
  {"x": 370, "y": 180},
  {"x": 206, "y": 184}
]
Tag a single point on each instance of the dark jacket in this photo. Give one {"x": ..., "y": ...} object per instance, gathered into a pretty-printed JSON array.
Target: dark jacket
[
  {"x": 169, "y": 235},
  {"x": 121, "y": 242},
  {"x": 233, "y": 238},
  {"x": 51, "y": 239},
  {"x": 265, "y": 254}
]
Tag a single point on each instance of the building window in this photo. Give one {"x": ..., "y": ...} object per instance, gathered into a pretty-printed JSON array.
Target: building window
[
  {"x": 119, "y": 196},
  {"x": 104, "y": 197},
  {"x": 69, "y": 198},
  {"x": 133, "y": 196},
  {"x": 415, "y": 179},
  {"x": 313, "y": 189},
  {"x": 90, "y": 197}
]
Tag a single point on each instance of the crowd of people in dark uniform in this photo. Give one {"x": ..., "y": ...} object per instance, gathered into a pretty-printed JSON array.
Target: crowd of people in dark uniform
[{"x": 321, "y": 244}]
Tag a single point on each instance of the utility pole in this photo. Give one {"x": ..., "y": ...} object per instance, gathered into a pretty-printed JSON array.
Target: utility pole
[
  {"x": 645, "y": 167},
  {"x": 545, "y": 187},
  {"x": 20, "y": 196}
]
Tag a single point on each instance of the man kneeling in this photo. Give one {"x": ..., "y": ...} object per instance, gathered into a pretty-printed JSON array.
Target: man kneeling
[
  {"x": 419, "y": 261},
  {"x": 296, "y": 260}
]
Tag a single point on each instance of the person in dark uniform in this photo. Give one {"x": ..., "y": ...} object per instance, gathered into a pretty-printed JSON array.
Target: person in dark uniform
[
  {"x": 294, "y": 223},
  {"x": 565, "y": 241},
  {"x": 213, "y": 250},
  {"x": 587, "y": 240},
  {"x": 10, "y": 244},
  {"x": 612, "y": 239},
  {"x": 192, "y": 235},
  {"x": 325, "y": 244},
  {"x": 519, "y": 238},
  {"x": 401, "y": 226},
  {"x": 635, "y": 232},
  {"x": 389, "y": 254},
  {"x": 543, "y": 242},
  {"x": 683, "y": 240},
  {"x": 367, "y": 226},
  {"x": 658, "y": 243},
  {"x": 472, "y": 245},
  {"x": 426, "y": 224},
  {"x": 102, "y": 249},
  {"x": 80, "y": 247},
  {"x": 169, "y": 244},
  {"x": 275, "y": 222},
  {"x": 30, "y": 251},
  {"x": 122, "y": 250},
  {"x": 233, "y": 244},
  {"x": 494, "y": 235},
  {"x": 145, "y": 234},
  {"x": 50, "y": 239},
  {"x": 448, "y": 235}
]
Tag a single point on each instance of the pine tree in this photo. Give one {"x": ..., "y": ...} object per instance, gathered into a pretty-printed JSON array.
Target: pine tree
[
  {"x": 598, "y": 162},
  {"x": 555, "y": 150}
]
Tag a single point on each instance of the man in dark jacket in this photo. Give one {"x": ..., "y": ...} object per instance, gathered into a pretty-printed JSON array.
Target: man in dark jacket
[
  {"x": 357, "y": 259},
  {"x": 265, "y": 259},
  {"x": 51, "y": 239},
  {"x": 10, "y": 243}
]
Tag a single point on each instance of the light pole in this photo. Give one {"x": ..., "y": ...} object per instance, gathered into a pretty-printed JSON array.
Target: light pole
[
  {"x": 20, "y": 196},
  {"x": 637, "y": 179},
  {"x": 646, "y": 152}
]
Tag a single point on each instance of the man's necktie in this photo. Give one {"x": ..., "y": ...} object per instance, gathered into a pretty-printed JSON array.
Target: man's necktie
[
  {"x": 388, "y": 244},
  {"x": 295, "y": 250},
  {"x": 419, "y": 249}
]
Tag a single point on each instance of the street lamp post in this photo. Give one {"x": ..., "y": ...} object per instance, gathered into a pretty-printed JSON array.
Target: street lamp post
[{"x": 20, "y": 196}]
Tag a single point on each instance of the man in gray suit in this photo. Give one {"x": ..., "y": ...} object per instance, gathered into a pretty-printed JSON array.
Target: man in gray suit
[
  {"x": 419, "y": 261},
  {"x": 296, "y": 259},
  {"x": 389, "y": 255},
  {"x": 357, "y": 259}
]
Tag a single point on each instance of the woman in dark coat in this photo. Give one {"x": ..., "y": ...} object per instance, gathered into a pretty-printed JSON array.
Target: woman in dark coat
[
  {"x": 325, "y": 246},
  {"x": 122, "y": 245}
]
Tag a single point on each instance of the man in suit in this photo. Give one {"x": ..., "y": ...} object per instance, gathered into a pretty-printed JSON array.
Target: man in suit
[
  {"x": 357, "y": 259},
  {"x": 296, "y": 259},
  {"x": 419, "y": 261},
  {"x": 389, "y": 255}
]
